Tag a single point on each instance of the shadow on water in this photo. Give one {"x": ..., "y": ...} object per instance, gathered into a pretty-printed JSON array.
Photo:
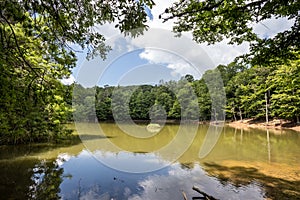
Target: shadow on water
[
  {"x": 30, "y": 179},
  {"x": 275, "y": 188},
  {"x": 94, "y": 137},
  {"x": 21, "y": 150}
]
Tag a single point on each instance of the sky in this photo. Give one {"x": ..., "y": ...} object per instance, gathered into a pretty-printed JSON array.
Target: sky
[{"x": 158, "y": 55}]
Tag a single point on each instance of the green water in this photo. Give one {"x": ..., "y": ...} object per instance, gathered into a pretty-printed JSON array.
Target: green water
[{"x": 140, "y": 164}]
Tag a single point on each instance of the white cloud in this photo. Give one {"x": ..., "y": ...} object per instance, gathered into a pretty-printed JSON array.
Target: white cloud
[
  {"x": 158, "y": 9},
  {"x": 222, "y": 53},
  {"x": 270, "y": 27},
  {"x": 170, "y": 186},
  {"x": 108, "y": 30},
  {"x": 184, "y": 48},
  {"x": 160, "y": 36},
  {"x": 176, "y": 63},
  {"x": 68, "y": 81}
]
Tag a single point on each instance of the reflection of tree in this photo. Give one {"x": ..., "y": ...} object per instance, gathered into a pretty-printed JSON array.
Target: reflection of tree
[
  {"x": 269, "y": 145},
  {"x": 276, "y": 187},
  {"x": 187, "y": 166},
  {"x": 47, "y": 177}
]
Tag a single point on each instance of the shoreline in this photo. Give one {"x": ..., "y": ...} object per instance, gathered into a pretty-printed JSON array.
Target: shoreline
[{"x": 273, "y": 124}]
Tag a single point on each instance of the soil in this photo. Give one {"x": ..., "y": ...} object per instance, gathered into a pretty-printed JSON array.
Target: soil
[{"x": 273, "y": 124}]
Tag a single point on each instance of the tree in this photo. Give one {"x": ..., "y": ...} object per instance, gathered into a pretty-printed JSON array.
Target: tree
[
  {"x": 74, "y": 21},
  {"x": 164, "y": 97},
  {"x": 103, "y": 103},
  {"x": 204, "y": 99},
  {"x": 246, "y": 92},
  {"x": 32, "y": 103},
  {"x": 213, "y": 21},
  {"x": 35, "y": 53},
  {"x": 141, "y": 101},
  {"x": 175, "y": 111},
  {"x": 285, "y": 84}
]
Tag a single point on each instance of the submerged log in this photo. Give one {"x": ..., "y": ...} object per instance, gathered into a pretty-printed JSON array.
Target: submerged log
[
  {"x": 184, "y": 195},
  {"x": 206, "y": 196}
]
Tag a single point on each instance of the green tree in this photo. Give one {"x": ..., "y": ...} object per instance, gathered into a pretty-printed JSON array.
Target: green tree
[
  {"x": 213, "y": 81},
  {"x": 204, "y": 100},
  {"x": 32, "y": 103},
  {"x": 175, "y": 111},
  {"x": 103, "y": 103},
  {"x": 285, "y": 84},
  {"x": 246, "y": 92},
  {"x": 214, "y": 21},
  {"x": 35, "y": 53},
  {"x": 141, "y": 101},
  {"x": 164, "y": 97}
]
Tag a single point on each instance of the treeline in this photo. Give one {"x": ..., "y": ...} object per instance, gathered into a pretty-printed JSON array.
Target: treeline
[
  {"x": 248, "y": 91},
  {"x": 276, "y": 87},
  {"x": 172, "y": 100}
]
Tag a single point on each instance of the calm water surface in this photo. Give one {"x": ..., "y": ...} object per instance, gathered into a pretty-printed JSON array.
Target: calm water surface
[{"x": 244, "y": 164}]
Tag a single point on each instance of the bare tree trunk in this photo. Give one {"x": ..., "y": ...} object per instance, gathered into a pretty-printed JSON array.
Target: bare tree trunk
[
  {"x": 233, "y": 114},
  {"x": 241, "y": 117},
  {"x": 267, "y": 117},
  {"x": 184, "y": 195},
  {"x": 269, "y": 145}
]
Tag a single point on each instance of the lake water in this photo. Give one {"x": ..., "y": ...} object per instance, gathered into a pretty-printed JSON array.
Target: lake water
[{"x": 110, "y": 164}]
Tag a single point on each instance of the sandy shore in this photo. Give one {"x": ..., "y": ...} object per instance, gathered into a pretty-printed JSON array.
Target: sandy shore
[{"x": 274, "y": 124}]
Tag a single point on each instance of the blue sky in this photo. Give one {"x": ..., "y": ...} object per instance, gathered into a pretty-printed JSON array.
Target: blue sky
[
  {"x": 128, "y": 69},
  {"x": 143, "y": 60},
  {"x": 159, "y": 55}
]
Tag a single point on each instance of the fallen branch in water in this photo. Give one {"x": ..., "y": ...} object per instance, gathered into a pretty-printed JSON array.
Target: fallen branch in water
[
  {"x": 206, "y": 196},
  {"x": 184, "y": 195}
]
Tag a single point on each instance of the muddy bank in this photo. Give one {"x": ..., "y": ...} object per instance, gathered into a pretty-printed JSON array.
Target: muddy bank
[{"x": 273, "y": 124}]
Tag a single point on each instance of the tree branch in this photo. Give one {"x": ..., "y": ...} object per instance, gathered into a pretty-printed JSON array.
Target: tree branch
[
  {"x": 206, "y": 196},
  {"x": 17, "y": 45}
]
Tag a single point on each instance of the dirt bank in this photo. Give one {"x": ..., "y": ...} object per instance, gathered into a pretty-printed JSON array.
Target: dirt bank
[{"x": 273, "y": 124}]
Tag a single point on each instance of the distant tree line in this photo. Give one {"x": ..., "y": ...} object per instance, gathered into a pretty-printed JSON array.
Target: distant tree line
[
  {"x": 172, "y": 100},
  {"x": 248, "y": 91}
]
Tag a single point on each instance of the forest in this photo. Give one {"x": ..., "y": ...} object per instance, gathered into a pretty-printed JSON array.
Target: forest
[{"x": 248, "y": 90}]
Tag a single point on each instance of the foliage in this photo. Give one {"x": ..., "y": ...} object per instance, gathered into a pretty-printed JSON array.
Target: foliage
[
  {"x": 138, "y": 102},
  {"x": 46, "y": 179},
  {"x": 32, "y": 103},
  {"x": 285, "y": 86},
  {"x": 35, "y": 53},
  {"x": 247, "y": 91},
  {"x": 214, "y": 21}
]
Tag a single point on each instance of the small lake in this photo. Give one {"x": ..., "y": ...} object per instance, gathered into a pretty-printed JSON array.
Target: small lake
[{"x": 113, "y": 162}]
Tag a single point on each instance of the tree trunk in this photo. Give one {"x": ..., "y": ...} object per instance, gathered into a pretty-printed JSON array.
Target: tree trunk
[
  {"x": 267, "y": 117},
  {"x": 241, "y": 116},
  {"x": 233, "y": 114}
]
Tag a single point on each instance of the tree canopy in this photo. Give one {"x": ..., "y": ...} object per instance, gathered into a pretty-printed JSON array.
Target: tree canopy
[
  {"x": 214, "y": 21},
  {"x": 36, "y": 39}
]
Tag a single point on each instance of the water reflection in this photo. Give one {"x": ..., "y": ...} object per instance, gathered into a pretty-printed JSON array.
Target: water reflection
[
  {"x": 46, "y": 179},
  {"x": 178, "y": 180},
  {"x": 245, "y": 164},
  {"x": 97, "y": 181}
]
